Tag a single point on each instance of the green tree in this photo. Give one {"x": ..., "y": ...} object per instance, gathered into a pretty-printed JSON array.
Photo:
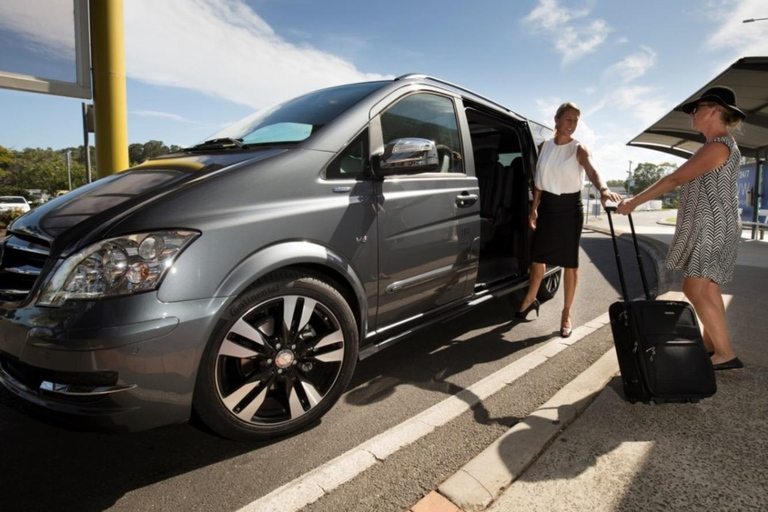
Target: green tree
[
  {"x": 6, "y": 158},
  {"x": 44, "y": 169},
  {"x": 646, "y": 174},
  {"x": 138, "y": 153}
]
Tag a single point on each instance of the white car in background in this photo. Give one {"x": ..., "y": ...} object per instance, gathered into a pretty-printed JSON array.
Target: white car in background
[{"x": 11, "y": 202}]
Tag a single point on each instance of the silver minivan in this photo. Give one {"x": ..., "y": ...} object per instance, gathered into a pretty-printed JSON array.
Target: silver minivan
[{"x": 241, "y": 279}]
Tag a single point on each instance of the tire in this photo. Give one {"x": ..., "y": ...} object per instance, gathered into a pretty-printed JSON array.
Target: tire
[
  {"x": 549, "y": 286},
  {"x": 256, "y": 381}
]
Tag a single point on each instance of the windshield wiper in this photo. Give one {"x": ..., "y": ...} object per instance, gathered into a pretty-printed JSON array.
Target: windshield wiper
[{"x": 221, "y": 143}]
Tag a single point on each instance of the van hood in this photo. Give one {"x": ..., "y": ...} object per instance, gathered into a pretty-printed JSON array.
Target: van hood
[{"x": 80, "y": 216}]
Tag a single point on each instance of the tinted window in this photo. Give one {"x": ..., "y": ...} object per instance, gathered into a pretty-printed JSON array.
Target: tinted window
[
  {"x": 297, "y": 119},
  {"x": 12, "y": 200},
  {"x": 427, "y": 116},
  {"x": 540, "y": 132},
  {"x": 351, "y": 163}
]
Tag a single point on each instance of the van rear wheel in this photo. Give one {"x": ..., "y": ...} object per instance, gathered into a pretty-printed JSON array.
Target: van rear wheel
[
  {"x": 285, "y": 353},
  {"x": 549, "y": 286}
]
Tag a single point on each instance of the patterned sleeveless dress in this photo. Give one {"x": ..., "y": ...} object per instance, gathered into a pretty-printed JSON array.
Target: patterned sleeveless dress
[{"x": 708, "y": 230}]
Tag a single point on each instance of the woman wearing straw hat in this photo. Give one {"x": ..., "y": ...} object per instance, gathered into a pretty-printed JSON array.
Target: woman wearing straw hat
[{"x": 708, "y": 227}]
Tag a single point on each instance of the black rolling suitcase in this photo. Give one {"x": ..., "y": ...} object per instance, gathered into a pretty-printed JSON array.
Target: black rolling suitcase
[{"x": 658, "y": 343}]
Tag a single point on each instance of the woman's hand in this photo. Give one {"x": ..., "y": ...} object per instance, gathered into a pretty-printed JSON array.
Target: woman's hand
[
  {"x": 532, "y": 218},
  {"x": 607, "y": 195},
  {"x": 626, "y": 206}
]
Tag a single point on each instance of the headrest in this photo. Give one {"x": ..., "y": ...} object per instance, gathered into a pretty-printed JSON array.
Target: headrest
[{"x": 486, "y": 156}]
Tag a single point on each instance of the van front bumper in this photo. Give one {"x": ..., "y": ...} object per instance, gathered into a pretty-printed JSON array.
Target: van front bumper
[{"x": 107, "y": 364}]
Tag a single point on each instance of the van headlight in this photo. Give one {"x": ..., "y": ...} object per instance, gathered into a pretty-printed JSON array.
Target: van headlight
[{"x": 116, "y": 266}]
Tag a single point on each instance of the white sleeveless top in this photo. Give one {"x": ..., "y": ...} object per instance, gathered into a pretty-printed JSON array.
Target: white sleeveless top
[{"x": 558, "y": 171}]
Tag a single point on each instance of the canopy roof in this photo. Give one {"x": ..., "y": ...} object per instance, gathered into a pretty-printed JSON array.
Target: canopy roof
[{"x": 748, "y": 77}]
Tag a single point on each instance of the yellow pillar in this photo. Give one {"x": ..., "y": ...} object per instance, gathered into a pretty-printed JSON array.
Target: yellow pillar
[{"x": 109, "y": 96}]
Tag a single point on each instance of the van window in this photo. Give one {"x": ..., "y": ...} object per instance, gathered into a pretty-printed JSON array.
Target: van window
[
  {"x": 297, "y": 119},
  {"x": 350, "y": 163},
  {"x": 426, "y": 116}
]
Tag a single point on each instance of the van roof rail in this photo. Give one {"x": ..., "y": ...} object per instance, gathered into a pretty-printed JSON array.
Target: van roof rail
[{"x": 422, "y": 76}]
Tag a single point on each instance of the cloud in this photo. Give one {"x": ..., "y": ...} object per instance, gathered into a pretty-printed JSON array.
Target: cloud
[
  {"x": 643, "y": 102},
  {"x": 46, "y": 26},
  {"x": 548, "y": 107},
  {"x": 163, "y": 115},
  {"x": 738, "y": 39},
  {"x": 633, "y": 66},
  {"x": 572, "y": 41},
  {"x": 224, "y": 49}
]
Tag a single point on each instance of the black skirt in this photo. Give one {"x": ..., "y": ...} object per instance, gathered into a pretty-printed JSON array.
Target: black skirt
[{"x": 558, "y": 230}]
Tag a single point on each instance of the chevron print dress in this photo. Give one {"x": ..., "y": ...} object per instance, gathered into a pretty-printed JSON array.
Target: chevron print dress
[{"x": 708, "y": 229}]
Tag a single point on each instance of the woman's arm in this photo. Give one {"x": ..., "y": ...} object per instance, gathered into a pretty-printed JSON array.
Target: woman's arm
[
  {"x": 706, "y": 159},
  {"x": 534, "y": 208},
  {"x": 584, "y": 158}
]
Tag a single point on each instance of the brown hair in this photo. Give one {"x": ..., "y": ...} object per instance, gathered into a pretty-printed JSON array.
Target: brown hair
[{"x": 566, "y": 106}]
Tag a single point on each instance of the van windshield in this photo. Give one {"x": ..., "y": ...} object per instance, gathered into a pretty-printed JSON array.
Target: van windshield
[{"x": 297, "y": 119}]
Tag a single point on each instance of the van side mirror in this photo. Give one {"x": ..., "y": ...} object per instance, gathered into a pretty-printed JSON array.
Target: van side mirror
[{"x": 406, "y": 156}]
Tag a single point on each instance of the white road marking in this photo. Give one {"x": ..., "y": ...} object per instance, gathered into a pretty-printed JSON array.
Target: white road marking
[{"x": 324, "y": 479}]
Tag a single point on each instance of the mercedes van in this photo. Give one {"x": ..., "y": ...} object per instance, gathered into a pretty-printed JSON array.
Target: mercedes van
[{"x": 241, "y": 279}]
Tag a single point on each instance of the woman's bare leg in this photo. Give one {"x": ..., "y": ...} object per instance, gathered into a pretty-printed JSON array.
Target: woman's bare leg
[
  {"x": 537, "y": 274},
  {"x": 571, "y": 280},
  {"x": 707, "y": 300}
]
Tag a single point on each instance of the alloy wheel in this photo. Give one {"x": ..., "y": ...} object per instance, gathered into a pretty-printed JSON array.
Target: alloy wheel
[{"x": 279, "y": 360}]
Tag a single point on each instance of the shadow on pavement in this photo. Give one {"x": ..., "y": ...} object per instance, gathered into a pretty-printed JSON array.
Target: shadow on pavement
[
  {"x": 449, "y": 350},
  {"x": 45, "y": 467},
  {"x": 705, "y": 456},
  {"x": 48, "y": 468},
  {"x": 620, "y": 456}
]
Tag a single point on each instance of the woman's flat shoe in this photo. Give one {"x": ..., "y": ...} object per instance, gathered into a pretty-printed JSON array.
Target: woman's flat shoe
[
  {"x": 565, "y": 332},
  {"x": 733, "y": 364},
  {"x": 534, "y": 306}
]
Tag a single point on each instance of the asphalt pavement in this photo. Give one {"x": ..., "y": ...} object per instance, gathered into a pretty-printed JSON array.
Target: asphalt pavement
[{"x": 588, "y": 449}]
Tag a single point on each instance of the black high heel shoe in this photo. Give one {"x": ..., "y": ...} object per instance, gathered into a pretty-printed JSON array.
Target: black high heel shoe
[{"x": 534, "y": 306}]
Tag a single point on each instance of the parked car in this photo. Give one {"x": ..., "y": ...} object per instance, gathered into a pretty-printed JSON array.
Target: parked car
[
  {"x": 242, "y": 278},
  {"x": 14, "y": 202}
]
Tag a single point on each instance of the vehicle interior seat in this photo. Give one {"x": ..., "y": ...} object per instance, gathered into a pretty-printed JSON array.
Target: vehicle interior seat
[
  {"x": 516, "y": 198},
  {"x": 488, "y": 169}
]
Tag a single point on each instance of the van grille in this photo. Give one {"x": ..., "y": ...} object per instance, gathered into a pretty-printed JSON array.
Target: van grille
[{"x": 21, "y": 262}]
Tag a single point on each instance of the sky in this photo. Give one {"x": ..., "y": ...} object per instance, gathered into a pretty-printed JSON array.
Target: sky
[{"x": 195, "y": 66}]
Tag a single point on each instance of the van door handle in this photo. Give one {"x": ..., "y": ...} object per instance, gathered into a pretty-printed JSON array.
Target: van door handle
[{"x": 465, "y": 199}]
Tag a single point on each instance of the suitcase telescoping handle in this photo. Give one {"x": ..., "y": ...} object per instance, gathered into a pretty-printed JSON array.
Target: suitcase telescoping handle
[{"x": 608, "y": 210}]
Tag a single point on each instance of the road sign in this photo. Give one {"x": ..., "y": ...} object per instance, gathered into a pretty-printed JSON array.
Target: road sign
[{"x": 44, "y": 47}]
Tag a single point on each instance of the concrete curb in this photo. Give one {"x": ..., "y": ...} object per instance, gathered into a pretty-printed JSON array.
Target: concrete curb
[
  {"x": 475, "y": 486},
  {"x": 658, "y": 251}
]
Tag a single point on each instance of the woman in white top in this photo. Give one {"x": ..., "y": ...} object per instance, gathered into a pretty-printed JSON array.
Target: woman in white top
[{"x": 556, "y": 214}]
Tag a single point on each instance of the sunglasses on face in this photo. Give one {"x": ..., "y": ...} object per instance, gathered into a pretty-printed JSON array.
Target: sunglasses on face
[{"x": 702, "y": 104}]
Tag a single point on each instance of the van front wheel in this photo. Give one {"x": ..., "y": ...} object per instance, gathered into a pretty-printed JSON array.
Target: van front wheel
[{"x": 284, "y": 355}]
